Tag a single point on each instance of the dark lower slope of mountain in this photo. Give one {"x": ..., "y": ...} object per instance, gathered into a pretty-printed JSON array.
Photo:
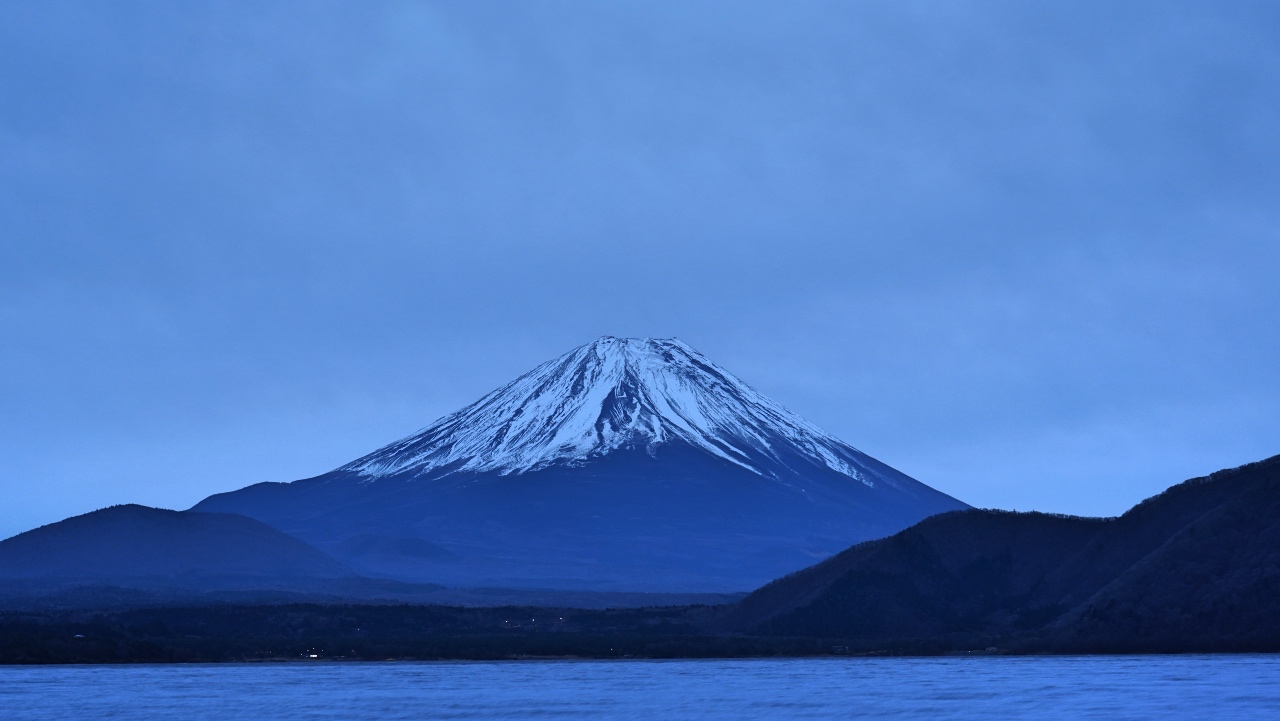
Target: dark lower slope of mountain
[
  {"x": 135, "y": 545},
  {"x": 1196, "y": 567},
  {"x": 670, "y": 519}
]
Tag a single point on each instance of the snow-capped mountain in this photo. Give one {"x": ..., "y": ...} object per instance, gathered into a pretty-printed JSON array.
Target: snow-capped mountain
[
  {"x": 612, "y": 394},
  {"x": 625, "y": 464}
]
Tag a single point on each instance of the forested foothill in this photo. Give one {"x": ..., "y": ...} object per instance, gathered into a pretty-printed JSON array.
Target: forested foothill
[{"x": 1194, "y": 569}]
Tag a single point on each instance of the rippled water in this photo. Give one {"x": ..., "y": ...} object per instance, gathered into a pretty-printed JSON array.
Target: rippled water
[{"x": 1126, "y": 687}]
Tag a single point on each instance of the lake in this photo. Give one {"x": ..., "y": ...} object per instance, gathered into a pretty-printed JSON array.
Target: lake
[{"x": 987, "y": 687}]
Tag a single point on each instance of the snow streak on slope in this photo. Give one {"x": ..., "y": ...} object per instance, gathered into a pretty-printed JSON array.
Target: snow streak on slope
[{"x": 612, "y": 394}]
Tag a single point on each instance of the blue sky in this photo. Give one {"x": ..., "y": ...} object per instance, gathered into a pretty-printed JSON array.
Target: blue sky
[{"x": 1025, "y": 252}]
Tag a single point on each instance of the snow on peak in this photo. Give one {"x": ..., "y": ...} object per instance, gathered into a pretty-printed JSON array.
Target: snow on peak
[{"x": 611, "y": 394}]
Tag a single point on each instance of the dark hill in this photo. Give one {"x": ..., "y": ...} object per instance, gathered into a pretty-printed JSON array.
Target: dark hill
[
  {"x": 134, "y": 556},
  {"x": 137, "y": 542},
  {"x": 1197, "y": 566}
]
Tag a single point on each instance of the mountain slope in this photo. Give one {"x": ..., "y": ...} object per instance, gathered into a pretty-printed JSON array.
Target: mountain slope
[
  {"x": 620, "y": 394},
  {"x": 136, "y": 542},
  {"x": 1212, "y": 585},
  {"x": 1196, "y": 566},
  {"x": 626, "y": 464}
]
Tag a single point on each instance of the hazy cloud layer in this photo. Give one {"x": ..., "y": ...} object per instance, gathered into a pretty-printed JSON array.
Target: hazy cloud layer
[{"x": 1025, "y": 252}]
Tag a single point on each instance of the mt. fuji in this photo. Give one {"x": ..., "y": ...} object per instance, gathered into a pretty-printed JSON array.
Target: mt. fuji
[
  {"x": 616, "y": 394},
  {"x": 625, "y": 464}
]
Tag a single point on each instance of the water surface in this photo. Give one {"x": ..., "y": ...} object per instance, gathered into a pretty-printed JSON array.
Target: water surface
[{"x": 1123, "y": 687}]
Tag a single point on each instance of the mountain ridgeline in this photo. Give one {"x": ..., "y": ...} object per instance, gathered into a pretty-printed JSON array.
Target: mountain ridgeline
[
  {"x": 141, "y": 545},
  {"x": 626, "y": 464},
  {"x": 1194, "y": 568},
  {"x": 637, "y": 473}
]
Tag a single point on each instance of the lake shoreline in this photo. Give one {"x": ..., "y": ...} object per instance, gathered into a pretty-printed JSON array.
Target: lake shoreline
[{"x": 311, "y": 633}]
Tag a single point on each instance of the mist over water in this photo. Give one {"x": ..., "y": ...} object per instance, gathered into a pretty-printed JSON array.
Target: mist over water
[{"x": 1116, "y": 687}]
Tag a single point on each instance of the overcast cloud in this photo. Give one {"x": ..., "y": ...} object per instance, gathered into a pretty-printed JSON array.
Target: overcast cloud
[{"x": 1025, "y": 252}]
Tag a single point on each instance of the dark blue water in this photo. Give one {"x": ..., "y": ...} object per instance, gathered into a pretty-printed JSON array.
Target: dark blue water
[{"x": 1131, "y": 687}]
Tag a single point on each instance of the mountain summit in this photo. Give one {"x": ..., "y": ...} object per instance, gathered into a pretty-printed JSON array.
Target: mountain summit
[
  {"x": 625, "y": 464},
  {"x": 619, "y": 393}
]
